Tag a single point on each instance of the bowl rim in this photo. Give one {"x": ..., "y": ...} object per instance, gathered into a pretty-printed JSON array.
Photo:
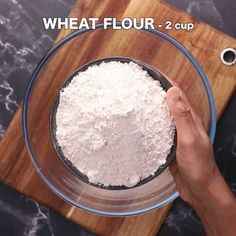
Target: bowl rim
[{"x": 51, "y": 51}]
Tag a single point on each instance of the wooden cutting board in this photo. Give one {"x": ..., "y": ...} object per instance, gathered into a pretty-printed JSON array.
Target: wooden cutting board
[{"x": 204, "y": 42}]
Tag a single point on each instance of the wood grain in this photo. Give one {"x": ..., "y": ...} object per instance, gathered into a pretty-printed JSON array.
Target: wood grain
[{"x": 205, "y": 43}]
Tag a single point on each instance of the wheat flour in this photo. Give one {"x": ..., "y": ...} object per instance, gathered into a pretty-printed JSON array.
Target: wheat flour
[{"x": 114, "y": 125}]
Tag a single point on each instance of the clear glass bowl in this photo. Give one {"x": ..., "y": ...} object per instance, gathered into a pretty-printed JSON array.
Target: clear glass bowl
[{"x": 150, "y": 46}]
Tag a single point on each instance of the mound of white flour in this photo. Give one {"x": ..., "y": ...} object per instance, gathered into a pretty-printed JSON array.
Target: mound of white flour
[{"x": 114, "y": 125}]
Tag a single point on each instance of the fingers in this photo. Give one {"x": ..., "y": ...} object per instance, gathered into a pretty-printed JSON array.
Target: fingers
[
  {"x": 197, "y": 120},
  {"x": 182, "y": 114}
]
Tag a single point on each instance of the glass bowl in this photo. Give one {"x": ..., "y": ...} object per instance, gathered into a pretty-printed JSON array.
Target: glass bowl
[{"x": 153, "y": 47}]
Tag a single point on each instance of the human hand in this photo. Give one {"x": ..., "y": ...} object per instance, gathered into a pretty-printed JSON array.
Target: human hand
[
  {"x": 198, "y": 179},
  {"x": 195, "y": 159}
]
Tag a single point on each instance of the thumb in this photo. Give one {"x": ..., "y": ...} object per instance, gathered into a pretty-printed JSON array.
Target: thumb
[{"x": 182, "y": 114}]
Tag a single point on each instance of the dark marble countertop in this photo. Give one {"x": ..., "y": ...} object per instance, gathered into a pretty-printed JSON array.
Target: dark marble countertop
[
  {"x": 218, "y": 13},
  {"x": 23, "y": 41},
  {"x": 20, "y": 215}
]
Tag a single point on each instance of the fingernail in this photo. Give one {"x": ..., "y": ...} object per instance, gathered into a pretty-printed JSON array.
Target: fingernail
[{"x": 174, "y": 92}]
